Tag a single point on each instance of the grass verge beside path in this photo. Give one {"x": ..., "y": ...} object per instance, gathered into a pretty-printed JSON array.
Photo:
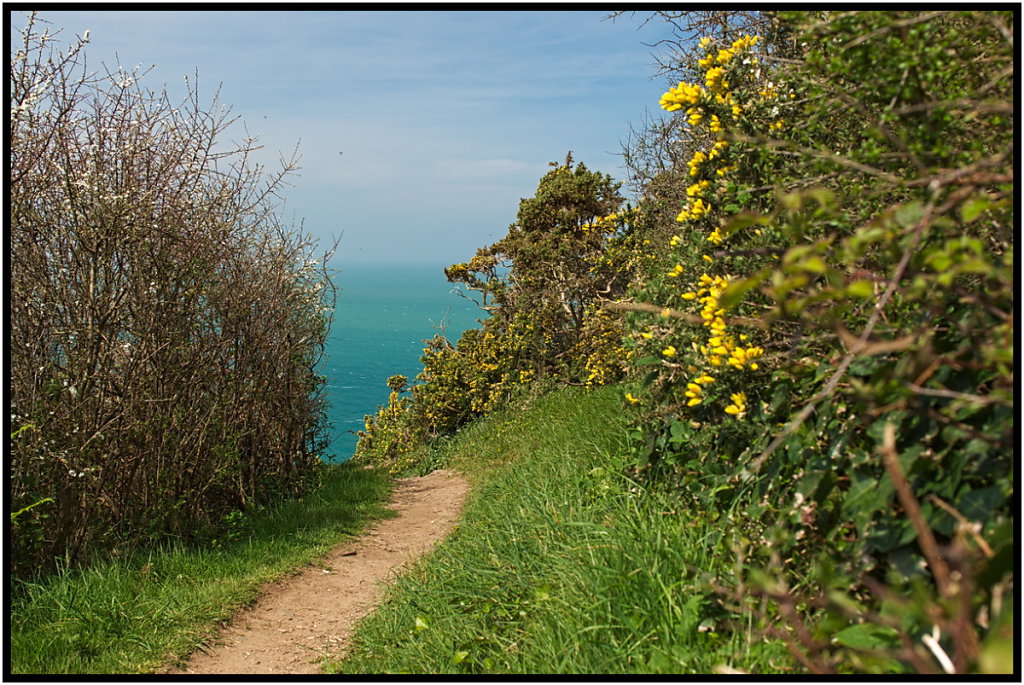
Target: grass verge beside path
[
  {"x": 134, "y": 615},
  {"x": 560, "y": 564}
]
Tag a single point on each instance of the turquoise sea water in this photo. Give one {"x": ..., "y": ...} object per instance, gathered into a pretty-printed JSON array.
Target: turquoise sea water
[{"x": 383, "y": 314}]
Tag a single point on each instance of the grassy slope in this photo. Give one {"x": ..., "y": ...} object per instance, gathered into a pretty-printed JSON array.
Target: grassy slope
[
  {"x": 560, "y": 565},
  {"x": 132, "y": 615}
]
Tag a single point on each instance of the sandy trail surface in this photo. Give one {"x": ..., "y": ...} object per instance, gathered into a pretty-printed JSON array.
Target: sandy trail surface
[{"x": 302, "y": 619}]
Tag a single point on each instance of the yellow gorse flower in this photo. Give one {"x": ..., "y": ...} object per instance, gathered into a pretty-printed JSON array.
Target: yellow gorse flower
[
  {"x": 694, "y": 393},
  {"x": 697, "y": 188},
  {"x": 699, "y": 208},
  {"x": 738, "y": 408},
  {"x": 698, "y": 158},
  {"x": 715, "y": 81},
  {"x": 682, "y": 95},
  {"x": 745, "y": 42}
]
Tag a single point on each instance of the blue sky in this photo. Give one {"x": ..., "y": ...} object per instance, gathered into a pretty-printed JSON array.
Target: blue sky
[{"x": 444, "y": 119}]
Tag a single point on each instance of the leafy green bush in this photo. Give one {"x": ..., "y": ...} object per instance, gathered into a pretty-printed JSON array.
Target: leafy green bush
[
  {"x": 572, "y": 247},
  {"x": 827, "y": 349}
]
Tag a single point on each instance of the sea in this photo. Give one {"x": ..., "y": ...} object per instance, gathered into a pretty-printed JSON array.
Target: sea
[{"x": 383, "y": 315}]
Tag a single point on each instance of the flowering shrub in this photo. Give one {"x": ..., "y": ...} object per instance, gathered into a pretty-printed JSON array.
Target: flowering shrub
[
  {"x": 165, "y": 327},
  {"x": 826, "y": 342},
  {"x": 573, "y": 246}
]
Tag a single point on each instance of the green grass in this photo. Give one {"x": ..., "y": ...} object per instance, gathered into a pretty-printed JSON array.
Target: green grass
[
  {"x": 560, "y": 564},
  {"x": 137, "y": 614}
]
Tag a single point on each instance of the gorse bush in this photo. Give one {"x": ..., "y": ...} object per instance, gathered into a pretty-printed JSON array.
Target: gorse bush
[
  {"x": 814, "y": 294},
  {"x": 574, "y": 245},
  {"x": 827, "y": 346},
  {"x": 164, "y": 324}
]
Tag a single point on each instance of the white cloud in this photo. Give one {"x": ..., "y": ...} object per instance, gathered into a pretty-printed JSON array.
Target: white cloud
[{"x": 468, "y": 169}]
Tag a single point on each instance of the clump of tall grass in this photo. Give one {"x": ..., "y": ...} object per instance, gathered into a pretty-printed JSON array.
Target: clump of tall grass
[
  {"x": 560, "y": 564},
  {"x": 135, "y": 613}
]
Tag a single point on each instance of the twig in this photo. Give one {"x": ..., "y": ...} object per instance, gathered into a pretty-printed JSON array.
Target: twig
[
  {"x": 940, "y": 654},
  {"x": 823, "y": 154},
  {"x": 950, "y": 394},
  {"x": 982, "y": 543},
  {"x": 926, "y": 540},
  {"x": 678, "y": 314}
]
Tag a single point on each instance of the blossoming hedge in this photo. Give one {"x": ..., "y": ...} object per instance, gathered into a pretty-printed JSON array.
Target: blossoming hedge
[
  {"x": 825, "y": 351},
  {"x": 165, "y": 326}
]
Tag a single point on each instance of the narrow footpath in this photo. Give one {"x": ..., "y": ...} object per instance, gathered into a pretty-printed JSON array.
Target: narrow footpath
[{"x": 302, "y": 619}]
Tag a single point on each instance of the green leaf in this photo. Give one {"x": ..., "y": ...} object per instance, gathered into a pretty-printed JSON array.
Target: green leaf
[
  {"x": 978, "y": 505},
  {"x": 867, "y": 636},
  {"x": 421, "y": 623},
  {"x": 735, "y": 291},
  {"x": 909, "y": 214},
  {"x": 861, "y": 289},
  {"x": 972, "y": 209},
  {"x": 744, "y": 220},
  {"x": 814, "y": 264},
  {"x": 459, "y": 656},
  {"x": 680, "y": 432}
]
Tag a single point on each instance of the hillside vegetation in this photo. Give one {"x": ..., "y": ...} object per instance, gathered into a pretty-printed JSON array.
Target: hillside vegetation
[
  {"x": 560, "y": 563},
  {"x": 813, "y": 296},
  {"x": 165, "y": 325},
  {"x": 756, "y": 415}
]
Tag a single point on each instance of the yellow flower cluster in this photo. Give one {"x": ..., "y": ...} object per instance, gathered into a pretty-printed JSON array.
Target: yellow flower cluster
[
  {"x": 695, "y": 209},
  {"x": 738, "y": 408},
  {"x": 682, "y": 95},
  {"x": 698, "y": 188},
  {"x": 603, "y": 223},
  {"x": 721, "y": 347},
  {"x": 698, "y": 158},
  {"x": 715, "y": 81},
  {"x": 710, "y": 104},
  {"x": 725, "y": 55},
  {"x": 695, "y": 389}
]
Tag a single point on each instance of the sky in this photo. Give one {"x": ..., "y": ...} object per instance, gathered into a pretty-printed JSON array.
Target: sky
[{"x": 418, "y": 131}]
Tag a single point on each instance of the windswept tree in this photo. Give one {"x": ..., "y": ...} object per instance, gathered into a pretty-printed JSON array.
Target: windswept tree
[{"x": 545, "y": 267}]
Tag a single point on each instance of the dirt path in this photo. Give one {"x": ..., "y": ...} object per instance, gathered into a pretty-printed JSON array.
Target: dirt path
[{"x": 306, "y": 617}]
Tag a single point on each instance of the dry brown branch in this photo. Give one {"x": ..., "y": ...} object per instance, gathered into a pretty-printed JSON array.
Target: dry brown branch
[{"x": 925, "y": 539}]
